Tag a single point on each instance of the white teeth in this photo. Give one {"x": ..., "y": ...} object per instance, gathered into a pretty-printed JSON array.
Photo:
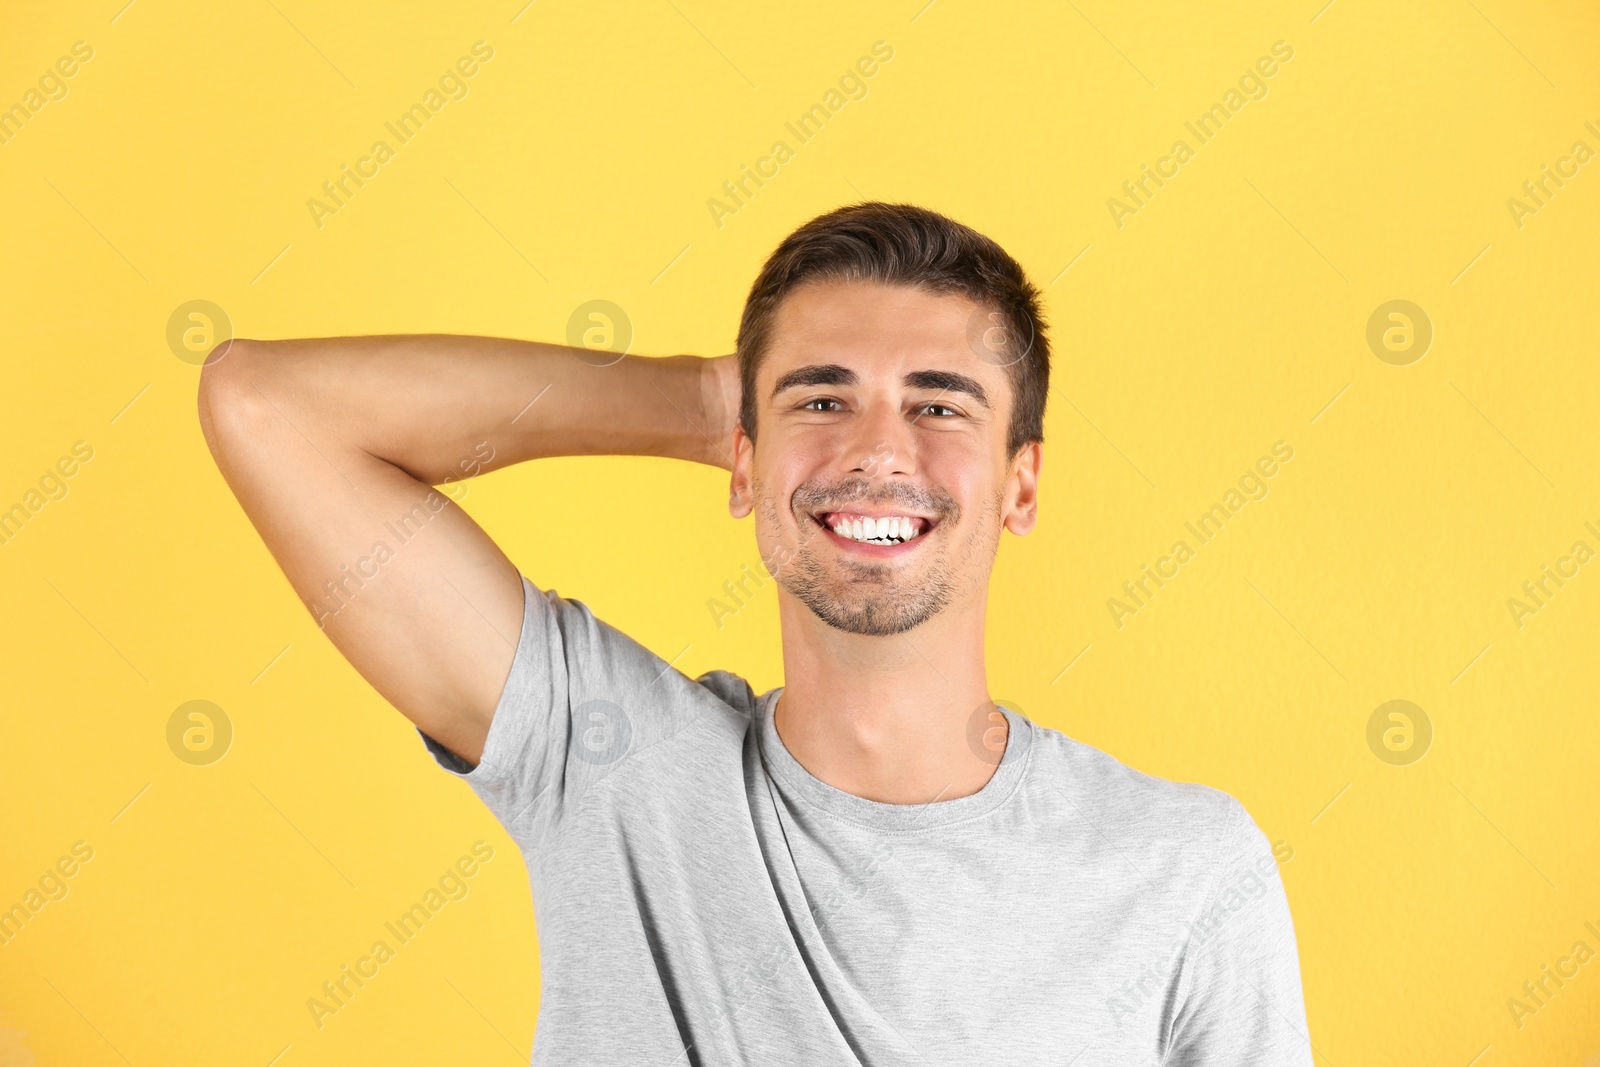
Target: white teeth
[{"x": 893, "y": 529}]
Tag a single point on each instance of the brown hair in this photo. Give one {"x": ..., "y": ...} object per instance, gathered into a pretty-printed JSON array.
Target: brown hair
[{"x": 901, "y": 244}]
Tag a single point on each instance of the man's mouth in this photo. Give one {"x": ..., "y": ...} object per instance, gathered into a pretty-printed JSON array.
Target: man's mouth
[{"x": 891, "y": 528}]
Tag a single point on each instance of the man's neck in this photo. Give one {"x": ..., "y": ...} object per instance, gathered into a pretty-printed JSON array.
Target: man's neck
[{"x": 891, "y": 719}]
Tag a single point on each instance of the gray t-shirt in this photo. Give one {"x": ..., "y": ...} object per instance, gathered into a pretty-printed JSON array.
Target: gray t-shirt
[{"x": 702, "y": 899}]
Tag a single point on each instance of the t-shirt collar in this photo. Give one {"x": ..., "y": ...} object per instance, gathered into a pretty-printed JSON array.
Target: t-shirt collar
[{"x": 877, "y": 815}]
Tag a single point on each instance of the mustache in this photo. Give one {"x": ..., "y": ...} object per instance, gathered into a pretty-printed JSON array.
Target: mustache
[{"x": 812, "y": 497}]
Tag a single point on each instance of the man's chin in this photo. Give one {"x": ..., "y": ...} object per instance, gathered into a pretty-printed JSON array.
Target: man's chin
[
  {"x": 869, "y": 625},
  {"x": 877, "y": 616}
]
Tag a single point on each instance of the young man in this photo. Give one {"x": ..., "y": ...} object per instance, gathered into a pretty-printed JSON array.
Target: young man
[{"x": 873, "y": 864}]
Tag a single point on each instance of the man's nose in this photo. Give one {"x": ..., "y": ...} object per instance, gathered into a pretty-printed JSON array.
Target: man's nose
[{"x": 883, "y": 443}]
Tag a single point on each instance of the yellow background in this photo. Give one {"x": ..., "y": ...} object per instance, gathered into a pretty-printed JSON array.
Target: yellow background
[{"x": 1229, "y": 313}]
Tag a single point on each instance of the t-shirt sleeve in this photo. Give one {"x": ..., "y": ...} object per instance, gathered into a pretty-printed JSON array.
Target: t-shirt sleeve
[
  {"x": 580, "y": 697},
  {"x": 1240, "y": 1002}
]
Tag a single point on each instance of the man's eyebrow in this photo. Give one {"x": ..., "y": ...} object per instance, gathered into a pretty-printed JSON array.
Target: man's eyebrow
[
  {"x": 816, "y": 374},
  {"x": 947, "y": 382},
  {"x": 834, "y": 374}
]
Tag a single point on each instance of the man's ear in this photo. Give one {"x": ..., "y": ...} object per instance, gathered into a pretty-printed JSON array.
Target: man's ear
[
  {"x": 741, "y": 501},
  {"x": 1022, "y": 503}
]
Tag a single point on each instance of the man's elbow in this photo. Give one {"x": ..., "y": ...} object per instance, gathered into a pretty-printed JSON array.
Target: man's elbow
[{"x": 229, "y": 400}]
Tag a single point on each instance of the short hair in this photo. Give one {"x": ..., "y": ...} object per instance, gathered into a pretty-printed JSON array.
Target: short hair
[{"x": 902, "y": 244}]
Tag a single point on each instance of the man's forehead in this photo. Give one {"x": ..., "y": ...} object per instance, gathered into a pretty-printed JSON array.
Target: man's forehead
[{"x": 862, "y": 324}]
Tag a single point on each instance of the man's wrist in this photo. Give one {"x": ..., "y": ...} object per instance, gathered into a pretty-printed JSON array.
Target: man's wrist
[{"x": 718, "y": 379}]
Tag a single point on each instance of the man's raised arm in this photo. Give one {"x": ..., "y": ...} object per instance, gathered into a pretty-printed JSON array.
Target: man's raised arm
[{"x": 332, "y": 446}]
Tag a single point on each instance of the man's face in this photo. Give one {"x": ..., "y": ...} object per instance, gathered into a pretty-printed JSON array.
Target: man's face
[{"x": 881, "y": 482}]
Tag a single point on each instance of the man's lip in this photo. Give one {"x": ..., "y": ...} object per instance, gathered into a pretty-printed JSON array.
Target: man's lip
[{"x": 867, "y": 548}]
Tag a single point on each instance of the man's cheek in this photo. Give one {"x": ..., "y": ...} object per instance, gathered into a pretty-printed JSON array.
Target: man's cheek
[{"x": 777, "y": 560}]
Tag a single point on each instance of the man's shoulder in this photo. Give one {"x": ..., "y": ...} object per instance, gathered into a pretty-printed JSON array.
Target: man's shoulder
[
  {"x": 1131, "y": 804},
  {"x": 731, "y": 689},
  {"x": 619, "y": 666}
]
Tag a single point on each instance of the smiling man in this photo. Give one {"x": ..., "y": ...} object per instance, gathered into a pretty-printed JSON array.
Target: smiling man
[{"x": 873, "y": 864}]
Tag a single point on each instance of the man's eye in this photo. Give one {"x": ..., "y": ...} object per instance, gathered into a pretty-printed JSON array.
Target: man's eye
[
  {"x": 818, "y": 400},
  {"x": 929, "y": 409}
]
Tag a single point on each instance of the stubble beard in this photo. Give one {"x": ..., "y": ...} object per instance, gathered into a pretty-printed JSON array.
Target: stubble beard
[{"x": 865, "y": 597}]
